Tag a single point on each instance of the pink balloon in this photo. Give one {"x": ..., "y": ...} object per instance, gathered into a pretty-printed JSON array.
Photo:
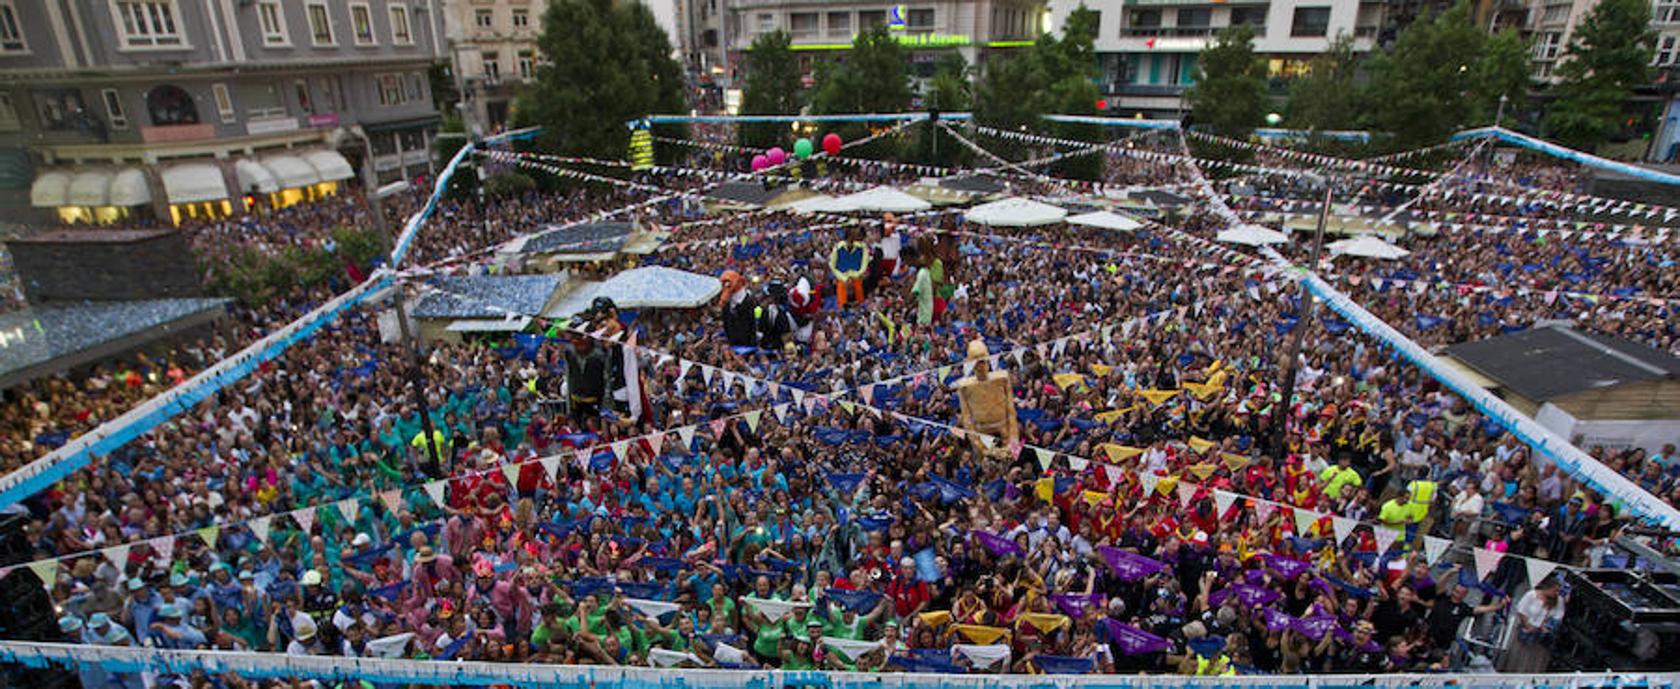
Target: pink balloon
[
  {"x": 776, "y": 155},
  {"x": 759, "y": 162},
  {"x": 831, "y": 143}
]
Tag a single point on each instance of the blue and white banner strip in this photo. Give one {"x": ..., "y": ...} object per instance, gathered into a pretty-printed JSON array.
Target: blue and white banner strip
[
  {"x": 66, "y": 459},
  {"x": 1569, "y": 458},
  {"x": 1114, "y": 121},
  {"x": 1333, "y": 134},
  {"x": 1569, "y": 154},
  {"x": 131, "y": 660},
  {"x": 411, "y": 228}
]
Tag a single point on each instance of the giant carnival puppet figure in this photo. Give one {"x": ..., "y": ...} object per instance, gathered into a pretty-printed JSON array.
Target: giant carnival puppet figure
[
  {"x": 740, "y": 323},
  {"x": 988, "y": 403}
]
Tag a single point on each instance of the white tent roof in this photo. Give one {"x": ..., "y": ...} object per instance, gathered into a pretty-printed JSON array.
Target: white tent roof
[
  {"x": 193, "y": 182},
  {"x": 1252, "y": 235},
  {"x": 881, "y": 200},
  {"x": 651, "y": 287},
  {"x": 50, "y": 190},
  {"x": 332, "y": 166},
  {"x": 254, "y": 177},
  {"x": 821, "y": 203},
  {"x": 129, "y": 188},
  {"x": 1015, "y": 212},
  {"x": 291, "y": 172},
  {"x": 90, "y": 188},
  {"x": 1367, "y": 246},
  {"x": 1105, "y": 220}
]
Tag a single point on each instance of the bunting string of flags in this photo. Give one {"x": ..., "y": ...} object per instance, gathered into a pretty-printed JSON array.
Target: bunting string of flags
[{"x": 1488, "y": 224}]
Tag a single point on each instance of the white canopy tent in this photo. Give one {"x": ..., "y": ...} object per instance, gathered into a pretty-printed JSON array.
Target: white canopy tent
[
  {"x": 821, "y": 203},
  {"x": 880, "y": 200},
  {"x": 1015, "y": 212},
  {"x": 1106, "y": 220},
  {"x": 650, "y": 287},
  {"x": 1367, "y": 246},
  {"x": 1251, "y": 235}
]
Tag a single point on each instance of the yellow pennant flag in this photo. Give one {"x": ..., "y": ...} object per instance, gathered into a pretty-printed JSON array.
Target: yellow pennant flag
[
  {"x": 1093, "y": 497},
  {"x": 1233, "y": 461},
  {"x": 1109, "y": 417},
  {"x": 1120, "y": 453},
  {"x": 1045, "y": 622},
  {"x": 47, "y": 570},
  {"x": 935, "y": 618},
  {"x": 1067, "y": 380},
  {"x": 1199, "y": 444},
  {"x": 1101, "y": 369},
  {"x": 1203, "y": 391},
  {"x": 1045, "y": 489},
  {"x": 1157, "y": 397},
  {"x": 1203, "y": 470},
  {"x": 981, "y": 634},
  {"x": 1167, "y": 485}
]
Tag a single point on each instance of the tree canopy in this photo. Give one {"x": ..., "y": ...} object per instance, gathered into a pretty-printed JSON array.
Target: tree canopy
[
  {"x": 1608, "y": 56},
  {"x": 772, "y": 88},
  {"x": 1229, "y": 95}
]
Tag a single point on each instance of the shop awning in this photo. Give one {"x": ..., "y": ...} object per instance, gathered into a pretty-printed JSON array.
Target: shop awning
[
  {"x": 332, "y": 166},
  {"x": 129, "y": 188},
  {"x": 254, "y": 178},
  {"x": 50, "y": 190},
  {"x": 90, "y": 188},
  {"x": 194, "y": 182},
  {"x": 291, "y": 172}
]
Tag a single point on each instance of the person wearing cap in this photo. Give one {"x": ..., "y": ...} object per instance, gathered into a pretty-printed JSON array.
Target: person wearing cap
[
  {"x": 172, "y": 631},
  {"x": 141, "y": 608},
  {"x": 1361, "y": 654}
]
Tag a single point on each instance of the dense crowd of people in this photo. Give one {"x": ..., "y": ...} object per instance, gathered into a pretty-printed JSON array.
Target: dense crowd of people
[{"x": 793, "y": 487}]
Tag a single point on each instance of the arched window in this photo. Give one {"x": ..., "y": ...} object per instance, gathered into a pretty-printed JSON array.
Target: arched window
[{"x": 171, "y": 105}]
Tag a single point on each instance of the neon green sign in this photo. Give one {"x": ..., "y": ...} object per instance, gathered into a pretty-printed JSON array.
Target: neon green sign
[{"x": 908, "y": 40}]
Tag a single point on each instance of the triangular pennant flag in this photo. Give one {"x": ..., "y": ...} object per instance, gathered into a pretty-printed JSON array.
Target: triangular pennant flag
[
  {"x": 848, "y": 406},
  {"x": 259, "y": 528},
  {"x": 1343, "y": 527},
  {"x": 780, "y": 412},
  {"x": 656, "y": 442},
  {"x": 209, "y": 534},
  {"x": 1222, "y": 501},
  {"x": 510, "y": 471},
  {"x": 436, "y": 490},
  {"x": 1199, "y": 445},
  {"x": 1233, "y": 461},
  {"x": 1120, "y": 453},
  {"x": 1304, "y": 521},
  {"x": 1434, "y": 548},
  {"x": 47, "y": 570},
  {"x": 682, "y": 369},
  {"x": 620, "y": 449},
  {"x": 753, "y": 418},
  {"x": 551, "y": 466},
  {"x": 305, "y": 518},
  {"x": 1385, "y": 538},
  {"x": 989, "y": 441},
  {"x": 1045, "y": 457},
  {"x": 718, "y": 426},
  {"x": 1078, "y": 463},
  {"x": 1263, "y": 509},
  {"x": 348, "y": 508},
  {"x": 1157, "y": 397},
  {"x": 392, "y": 499},
  {"x": 118, "y": 555},
  {"x": 706, "y": 373},
  {"x": 686, "y": 435},
  {"x": 1538, "y": 569},
  {"x": 1114, "y": 473},
  {"x": 1486, "y": 562},
  {"x": 799, "y": 397},
  {"x": 1149, "y": 481},
  {"x": 1186, "y": 491},
  {"x": 867, "y": 393},
  {"x": 1202, "y": 471}
]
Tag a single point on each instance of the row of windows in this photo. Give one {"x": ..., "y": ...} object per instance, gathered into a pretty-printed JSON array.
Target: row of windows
[
  {"x": 485, "y": 17},
  {"x": 155, "y": 24},
  {"x": 493, "y": 65},
  {"x": 1307, "y": 22},
  {"x": 808, "y": 24},
  {"x": 169, "y": 105}
]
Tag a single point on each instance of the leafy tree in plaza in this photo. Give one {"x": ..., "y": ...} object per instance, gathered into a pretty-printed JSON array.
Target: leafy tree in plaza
[
  {"x": 1057, "y": 75},
  {"x": 1608, "y": 56},
  {"x": 1324, "y": 99},
  {"x": 1423, "y": 89},
  {"x": 772, "y": 88},
  {"x": 1229, "y": 95},
  {"x": 606, "y": 63},
  {"x": 873, "y": 78},
  {"x": 948, "y": 90},
  {"x": 1502, "y": 71}
]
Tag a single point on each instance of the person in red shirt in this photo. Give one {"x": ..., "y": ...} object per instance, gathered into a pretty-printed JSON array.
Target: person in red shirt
[{"x": 909, "y": 594}]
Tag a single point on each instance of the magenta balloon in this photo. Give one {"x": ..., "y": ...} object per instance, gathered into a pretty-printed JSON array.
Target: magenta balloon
[
  {"x": 831, "y": 143},
  {"x": 776, "y": 155},
  {"x": 759, "y": 162}
]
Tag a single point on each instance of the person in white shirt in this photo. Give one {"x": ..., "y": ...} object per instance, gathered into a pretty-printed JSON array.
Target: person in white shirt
[
  {"x": 1466, "y": 507},
  {"x": 1534, "y": 627}
]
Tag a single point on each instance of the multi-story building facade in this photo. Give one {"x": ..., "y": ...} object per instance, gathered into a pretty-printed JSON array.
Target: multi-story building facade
[
  {"x": 1148, "y": 49},
  {"x": 493, "y": 48},
  {"x": 188, "y": 108},
  {"x": 974, "y": 28}
]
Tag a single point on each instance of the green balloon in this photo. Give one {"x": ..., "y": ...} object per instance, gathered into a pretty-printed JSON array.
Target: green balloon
[{"x": 802, "y": 149}]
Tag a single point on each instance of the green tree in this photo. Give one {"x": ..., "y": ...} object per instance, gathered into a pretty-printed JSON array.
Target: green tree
[
  {"x": 1325, "y": 99},
  {"x": 872, "y": 78},
  {"x": 1609, "y": 55},
  {"x": 948, "y": 90},
  {"x": 1056, "y": 76},
  {"x": 1229, "y": 95},
  {"x": 1421, "y": 90},
  {"x": 772, "y": 88},
  {"x": 1501, "y": 71},
  {"x": 607, "y": 63}
]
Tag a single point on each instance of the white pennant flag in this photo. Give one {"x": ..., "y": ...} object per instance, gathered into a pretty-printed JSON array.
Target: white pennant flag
[
  {"x": 1078, "y": 463},
  {"x": 347, "y": 508},
  {"x": 118, "y": 555},
  {"x": 706, "y": 373},
  {"x": 1343, "y": 527},
  {"x": 686, "y": 435},
  {"x": 1434, "y": 548},
  {"x": 1385, "y": 538},
  {"x": 436, "y": 490},
  {"x": 1114, "y": 473},
  {"x": 165, "y": 547},
  {"x": 1045, "y": 457},
  {"x": 851, "y": 648},
  {"x": 780, "y": 411},
  {"x": 799, "y": 397},
  {"x": 1186, "y": 491},
  {"x": 682, "y": 369},
  {"x": 1263, "y": 509},
  {"x": 663, "y": 658},
  {"x": 510, "y": 471},
  {"x": 1486, "y": 562},
  {"x": 47, "y": 570},
  {"x": 259, "y": 528},
  {"x": 753, "y": 419},
  {"x": 305, "y": 518},
  {"x": 1148, "y": 480},
  {"x": 656, "y": 442},
  {"x": 1222, "y": 500},
  {"x": 1538, "y": 569},
  {"x": 1304, "y": 521},
  {"x": 392, "y": 499},
  {"x": 551, "y": 465}
]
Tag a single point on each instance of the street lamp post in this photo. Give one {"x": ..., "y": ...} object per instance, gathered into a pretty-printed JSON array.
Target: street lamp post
[
  {"x": 417, "y": 376},
  {"x": 1280, "y": 410},
  {"x": 1500, "y": 113}
]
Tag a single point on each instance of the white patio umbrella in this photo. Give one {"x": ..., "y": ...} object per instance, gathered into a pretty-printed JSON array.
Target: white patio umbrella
[
  {"x": 1106, "y": 220},
  {"x": 1367, "y": 246},
  {"x": 1015, "y": 212},
  {"x": 1251, "y": 235},
  {"x": 881, "y": 200}
]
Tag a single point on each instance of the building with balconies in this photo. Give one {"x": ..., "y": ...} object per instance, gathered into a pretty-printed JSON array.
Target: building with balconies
[
  {"x": 493, "y": 46},
  {"x": 819, "y": 28},
  {"x": 187, "y": 109},
  {"x": 1148, "y": 49}
]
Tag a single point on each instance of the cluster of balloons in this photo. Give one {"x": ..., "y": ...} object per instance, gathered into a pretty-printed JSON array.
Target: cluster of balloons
[{"x": 802, "y": 149}]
